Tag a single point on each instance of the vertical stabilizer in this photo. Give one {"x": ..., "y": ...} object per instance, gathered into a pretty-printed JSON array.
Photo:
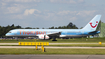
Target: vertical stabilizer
[{"x": 92, "y": 25}]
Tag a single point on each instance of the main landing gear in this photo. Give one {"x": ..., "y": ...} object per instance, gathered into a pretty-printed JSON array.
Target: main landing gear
[{"x": 54, "y": 39}]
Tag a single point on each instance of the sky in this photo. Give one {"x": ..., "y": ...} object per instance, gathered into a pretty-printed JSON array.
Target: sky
[{"x": 48, "y": 13}]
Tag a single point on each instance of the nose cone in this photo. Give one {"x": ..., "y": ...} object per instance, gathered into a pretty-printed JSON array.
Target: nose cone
[{"x": 8, "y": 34}]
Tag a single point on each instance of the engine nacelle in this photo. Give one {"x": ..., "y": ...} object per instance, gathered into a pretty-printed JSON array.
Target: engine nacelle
[{"x": 43, "y": 37}]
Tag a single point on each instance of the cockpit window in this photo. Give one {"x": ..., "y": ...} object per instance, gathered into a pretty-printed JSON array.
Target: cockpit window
[
  {"x": 12, "y": 31},
  {"x": 9, "y": 32}
]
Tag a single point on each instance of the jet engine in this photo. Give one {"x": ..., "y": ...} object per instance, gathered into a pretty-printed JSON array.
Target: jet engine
[{"x": 43, "y": 37}]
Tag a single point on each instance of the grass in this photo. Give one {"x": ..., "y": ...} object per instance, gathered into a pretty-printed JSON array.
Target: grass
[
  {"x": 52, "y": 51},
  {"x": 75, "y": 40}
]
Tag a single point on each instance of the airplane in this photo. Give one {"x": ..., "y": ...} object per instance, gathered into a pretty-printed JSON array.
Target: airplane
[{"x": 45, "y": 34}]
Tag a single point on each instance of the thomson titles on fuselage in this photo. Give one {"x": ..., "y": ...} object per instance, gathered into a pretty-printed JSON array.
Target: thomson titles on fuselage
[{"x": 31, "y": 32}]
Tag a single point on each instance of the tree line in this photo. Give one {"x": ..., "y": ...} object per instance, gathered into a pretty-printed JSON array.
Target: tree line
[{"x": 4, "y": 30}]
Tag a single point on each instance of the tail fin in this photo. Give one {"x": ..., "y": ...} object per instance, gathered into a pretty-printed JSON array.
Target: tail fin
[{"x": 92, "y": 25}]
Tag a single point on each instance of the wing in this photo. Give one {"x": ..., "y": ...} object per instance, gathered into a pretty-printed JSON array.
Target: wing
[{"x": 54, "y": 34}]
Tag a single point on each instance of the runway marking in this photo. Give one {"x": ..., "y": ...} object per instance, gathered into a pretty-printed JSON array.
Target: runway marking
[
  {"x": 52, "y": 47},
  {"x": 49, "y": 43}
]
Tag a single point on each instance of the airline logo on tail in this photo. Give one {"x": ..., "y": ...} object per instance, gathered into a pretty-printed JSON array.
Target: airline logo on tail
[{"x": 92, "y": 25}]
